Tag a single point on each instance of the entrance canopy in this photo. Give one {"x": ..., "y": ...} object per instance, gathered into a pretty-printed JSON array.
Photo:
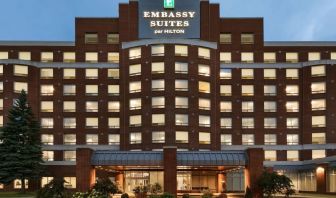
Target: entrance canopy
[{"x": 155, "y": 158}]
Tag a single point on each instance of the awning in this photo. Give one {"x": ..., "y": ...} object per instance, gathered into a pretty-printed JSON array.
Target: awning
[{"x": 155, "y": 158}]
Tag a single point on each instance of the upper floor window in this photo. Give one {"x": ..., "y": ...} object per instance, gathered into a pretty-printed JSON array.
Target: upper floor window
[
  {"x": 91, "y": 90},
  {"x": 135, "y": 70},
  {"x": 181, "y": 50},
  {"x": 204, "y": 138},
  {"x": 292, "y": 139},
  {"x": 226, "y": 106},
  {"x": 270, "y": 139},
  {"x": 226, "y": 123},
  {"x": 247, "y": 90},
  {"x": 47, "y": 123},
  {"x": 204, "y": 104},
  {"x": 47, "y": 90},
  {"x": 19, "y": 86},
  {"x": 91, "y": 73},
  {"x": 158, "y": 102},
  {"x": 203, "y": 53},
  {"x": 91, "y": 106},
  {"x": 3, "y": 55},
  {"x": 247, "y": 57},
  {"x": 181, "y": 68},
  {"x": 248, "y": 139},
  {"x": 333, "y": 55},
  {"x": 113, "y": 57},
  {"x": 69, "y": 90},
  {"x": 247, "y": 123},
  {"x": 314, "y": 56},
  {"x": 113, "y": 73},
  {"x": 158, "y": 137},
  {"x": 181, "y": 102},
  {"x": 318, "y": 70},
  {"x": 225, "y": 90},
  {"x": 204, "y": 70},
  {"x": 114, "y": 123},
  {"x": 247, "y": 106},
  {"x": 158, "y": 50},
  {"x": 318, "y": 104},
  {"x": 113, "y": 90},
  {"x": 318, "y": 87},
  {"x": 269, "y": 73},
  {"x": 270, "y": 123},
  {"x": 292, "y": 123},
  {"x": 247, "y": 38},
  {"x": 20, "y": 70},
  {"x": 69, "y": 106},
  {"x": 158, "y": 119},
  {"x": 91, "y": 123},
  {"x": 318, "y": 121},
  {"x": 91, "y": 57},
  {"x": 24, "y": 56},
  {"x": 225, "y": 38},
  {"x": 204, "y": 87},
  {"x": 112, "y": 38},
  {"x": 181, "y": 137},
  {"x": 317, "y": 154},
  {"x": 270, "y": 90},
  {"x": 158, "y": 68},
  {"x": 69, "y": 123},
  {"x": 135, "y": 138},
  {"x": 91, "y": 139},
  {"x": 69, "y": 139},
  {"x": 69, "y": 57},
  {"x": 135, "y": 103},
  {"x": 270, "y": 155},
  {"x": 113, "y": 106},
  {"x": 269, "y": 57},
  {"x": 292, "y": 57},
  {"x": 91, "y": 38},
  {"x": 226, "y": 139},
  {"x": 47, "y": 139},
  {"x": 292, "y": 155},
  {"x": 181, "y": 120},
  {"x": 47, "y": 56},
  {"x": 135, "y": 53},
  {"x": 47, "y": 73},
  {"x": 270, "y": 106},
  {"x": 181, "y": 85},
  {"x": 292, "y": 90},
  {"x": 47, "y": 106},
  {"x": 247, "y": 73},
  {"x": 292, "y": 73},
  {"x": 69, "y": 73},
  {"x": 135, "y": 120},
  {"x": 292, "y": 106},
  {"x": 135, "y": 87},
  {"x": 114, "y": 139},
  {"x": 225, "y": 57},
  {"x": 158, "y": 85},
  {"x": 318, "y": 138},
  {"x": 225, "y": 73}
]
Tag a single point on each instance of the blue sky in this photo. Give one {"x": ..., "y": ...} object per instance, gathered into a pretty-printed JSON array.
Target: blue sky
[{"x": 285, "y": 20}]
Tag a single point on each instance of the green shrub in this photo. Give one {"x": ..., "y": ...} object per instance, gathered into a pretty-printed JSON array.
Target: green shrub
[
  {"x": 96, "y": 194},
  {"x": 155, "y": 188},
  {"x": 80, "y": 195},
  {"x": 125, "y": 195},
  {"x": 105, "y": 187},
  {"x": 54, "y": 189},
  {"x": 248, "y": 193},
  {"x": 167, "y": 195},
  {"x": 207, "y": 194},
  {"x": 273, "y": 183},
  {"x": 140, "y": 189},
  {"x": 186, "y": 195}
]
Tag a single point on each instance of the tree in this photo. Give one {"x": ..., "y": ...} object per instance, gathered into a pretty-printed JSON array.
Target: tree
[
  {"x": 105, "y": 186},
  {"x": 272, "y": 183},
  {"x": 54, "y": 189},
  {"x": 20, "y": 150}
]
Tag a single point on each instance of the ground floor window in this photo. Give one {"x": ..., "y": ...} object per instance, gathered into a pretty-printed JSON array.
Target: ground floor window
[
  {"x": 142, "y": 178},
  {"x": 294, "y": 176},
  {"x": 18, "y": 184},
  {"x": 235, "y": 181},
  {"x": 45, "y": 181},
  {"x": 70, "y": 182},
  {"x": 332, "y": 180},
  {"x": 308, "y": 181},
  {"x": 196, "y": 180}
]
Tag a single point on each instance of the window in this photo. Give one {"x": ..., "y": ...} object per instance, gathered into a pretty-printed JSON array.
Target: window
[
  {"x": 247, "y": 90},
  {"x": 158, "y": 85},
  {"x": 181, "y": 68},
  {"x": 47, "y": 106},
  {"x": 69, "y": 90},
  {"x": 158, "y": 68},
  {"x": 292, "y": 73},
  {"x": 318, "y": 87},
  {"x": 113, "y": 73},
  {"x": 69, "y": 139},
  {"x": 91, "y": 123},
  {"x": 204, "y": 70},
  {"x": 226, "y": 106},
  {"x": 47, "y": 90},
  {"x": 247, "y": 73},
  {"x": 91, "y": 106},
  {"x": 18, "y": 184},
  {"x": 247, "y": 106},
  {"x": 248, "y": 139},
  {"x": 332, "y": 55},
  {"x": 226, "y": 123},
  {"x": 135, "y": 53},
  {"x": 113, "y": 90},
  {"x": 69, "y": 123},
  {"x": 1, "y": 104},
  {"x": 20, "y": 70},
  {"x": 135, "y": 70},
  {"x": 135, "y": 103},
  {"x": 158, "y": 50},
  {"x": 69, "y": 155},
  {"x": 91, "y": 139},
  {"x": 181, "y": 102},
  {"x": 204, "y": 121},
  {"x": 114, "y": 139},
  {"x": 225, "y": 73},
  {"x": 181, "y": 50},
  {"x": 24, "y": 56},
  {"x": 112, "y": 38},
  {"x": 1, "y": 69},
  {"x": 135, "y": 87},
  {"x": 204, "y": 87},
  {"x": 225, "y": 38},
  {"x": 292, "y": 106},
  {"x": 47, "y": 56},
  {"x": 247, "y": 38},
  {"x": 135, "y": 120},
  {"x": 181, "y": 137},
  {"x": 203, "y": 53},
  {"x": 45, "y": 181},
  {"x": 48, "y": 156},
  {"x": 318, "y": 121},
  {"x": 316, "y": 154},
  {"x": 292, "y": 57},
  {"x": 158, "y": 102},
  {"x": 70, "y": 182},
  {"x": 226, "y": 139},
  {"x": 3, "y": 55},
  {"x": 318, "y": 70},
  {"x": 91, "y": 57},
  {"x": 269, "y": 73},
  {"x": 247, "y": 123},
  {"x": 47, "y": 73},
  {"x": 318, "y": 138},
  {"x": 69, "y": 73},
  {"x": 270, "y": 139},
  {"x": 204, "y": 138},
  {"x": 69, "y": 106},
  {"x": 318, "y": 104},
  {"x": 135, "y": 138},
  {"x": 69, "y": 57},
  {"x": 47, "y": 139},
  {"x": 113, "y": 106},
  {"x": 204, "y": 104},
  {"x": 181, "y": 85},
  {"x": 91, "y": 38},
  {"x": 269, "y": 57},
  {"x": 225, "y": 57},
  {"x": 19, "y": 86},
  {"x": 292, "y": 155},
  {"x": 292, "y": 139},
  {"x": 270, "y": 90},
  {"x": 292, "y": 90},
  {"x": 314, "y": 56},
  {"x": 247, "y": 57},
  {"x": 158, "y": 137},
  {"x": 270, "y": 156},
  {"x": 91, "y": 73},
  {"x": 114, "y": 123},
  {"x": 292, "y": 123},
  {"x": 47, "y": 123},
  {"x": 226, "y": 90},
  {"x": 158, "y": 119},
  {"x": 270, "y": 123},
  {"x": 113, "y": 57},
  {"x": 181, "y": 120}
]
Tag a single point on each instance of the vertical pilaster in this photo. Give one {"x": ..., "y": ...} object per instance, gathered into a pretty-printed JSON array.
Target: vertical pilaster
[
  {"x": 254, "y": 169},
  {"x": 170, "y": 169},
  {"x": 321, "y": 178},
  {"x": 85, "y": 172}
]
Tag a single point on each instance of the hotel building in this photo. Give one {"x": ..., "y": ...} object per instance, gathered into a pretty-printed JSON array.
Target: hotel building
[{"x": 170, "y": 92}]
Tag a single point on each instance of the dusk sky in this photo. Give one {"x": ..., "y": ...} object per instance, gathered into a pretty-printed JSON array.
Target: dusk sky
[{"x": 53, "y": 20}]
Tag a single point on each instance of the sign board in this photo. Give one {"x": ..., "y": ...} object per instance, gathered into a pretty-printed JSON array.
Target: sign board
[{"x": 169, "y": 19}]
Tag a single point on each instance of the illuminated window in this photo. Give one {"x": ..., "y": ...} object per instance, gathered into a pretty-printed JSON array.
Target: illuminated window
[
  {"x": 91, "y": 106},
  {"x": 48, "y": 156},
  {"x": 158, "y": 102},
  {"x": 247, "y": 139},
  {"x": 113, "y": 57},
  {"x": 226, "y": 90},
  {"x": 318, "y": 104},
  {"x": 91, "y": 73},
  {"x": 135, "y": 87},
  {"x": 135, "y": 120},
  {"x": 1, "y": 104},
  {"x": 1, "y": 121},
  {"x": 181, "y": 137},
  {"x": 158, "y": 50},
  {"x": 292, "y": 123},
  {"x": 318, "y": 121},
  {"x": 158, "y": 119},
  {"x": 69, "y": 139},
  {"x": 1, "y": 69},
  {"x": 18, "y": 184},
  {"x": 318, "y": 70},
  {"x": 292, "y": 73},
  {"x": 135, "y": 53},
  {"x": 292, "y": 57},
  {"x": 181, "y": 120},
  {"x": 47, "y": 106},
  {"x": 317, "y": 154},
  {"x": 69, "y": 90},
  {"x": 270, "y": 155},
  {"x": 270, "y": 90},
  {"x": 47, "y": 56},
  {"x": 204, "y": 87},
  {"x": 225, "y": 38},
  {"x": 247, "y": 106},
  {"x": 203, "y": 53},
  {"x": 158, "y": 85},
  {"x": 225, "y": 57},
  {"x": 247, "y": 123},
  {"x": 113, "y": 90},
  {"x": 158, "y": 137},
  {"x": 91, "y": 90},
  {"x": 3, "y": 55},
  {"x": 204, "y": 104},
  {"x": 247, "y": 73},
  {"x": 314, "y": 56},
  {"x": 69, "y": 106},
  {"x": 181, "y": 85},
  {"x": 91, "y": 123},
  {"x": 135, "y": 70},
  {"x": 114, "y": 139},
  {"x": 226, "y": 106},
  {"x": 318, "y": 138},
  {"x": 204, "y": 138},
  {"x": 292, "y": 139},
  {"x": 24, "y": 56},
  {"x": 113, "y": 73},
  {"x": 181, "y": 102},
  {"x": 70, "y": 182},
  {"x": 292, "y": 90},
  {"x": 247, "y": 90},
  {"x": 114, "y": 123},
  {"x": 292, "y": 106},
  {"x": 91, "y": 38},
  {"x": 47, "y": 90},
  {"x": 204, "y": 70},
  {"x": 112, "y": 38},
  {"x": 226, "y": 123},
  {"x": 91, "y": 139},
  {"x": 247, "y": 57},
  {"x": 69, "y": 57},
  {"x": 270, "y": 123},
  {"x": 204, "y": 121},
  {"x": 45, "y": 181},
  {"x": 181, "y": 50},
  {"x": 47, "y": 139},
  {"x": 226, "y": 139},
  {"x": 91, "y": 57},
  {"x": 270, "y": 139},
  {"x": 69, "y": 73},
  {"x": 19, "y": 86},
  {"x": 269, "y": 57},
  {"x": 47, "y": 73},
  {"x": 135, "y": 138},
  {"x": 333, "y": 55},
  {"x": 269, "y": 73},
  {"x": 292, "y": 155},
  {"x": 69, "y": 123},
  {"x": 135, "y": 103},
  {"x": 47, "y": 123},
  {"x": 318, "y": 87},
  {"x": 181, "y": 68},
  {"x": 247, "y": 38},
  {"x": 20, "y": 70},
  {"x": 113, "y": 106},
  {"x": 158, "y": 68},
  {"x": 69, "y": 155}
]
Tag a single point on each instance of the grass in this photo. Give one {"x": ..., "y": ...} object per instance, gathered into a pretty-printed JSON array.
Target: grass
[{"x": 16, "y": 194}]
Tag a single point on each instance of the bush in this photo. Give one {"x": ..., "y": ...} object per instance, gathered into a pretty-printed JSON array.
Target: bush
[
  {"x": 167, "y": 195},
  {"x": 54, "y": 189},
  {"x": 248, "y": 193},
  {"x": 207, "y": 194},
  {"x": 105, "y": 187},
  {"x": 185, "y": 195},
  {"x": 96, "y": 194},
  {"x": 80, "y": 195},
  {"x": 273, "y": 183},
  {"x": 125, "y": 195},
  {"x": 140, "y": 189},
  {"x": 155, "y": 188}
]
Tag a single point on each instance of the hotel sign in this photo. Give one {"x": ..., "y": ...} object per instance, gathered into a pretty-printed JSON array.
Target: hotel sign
[{"x": 169, "y": 19}]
